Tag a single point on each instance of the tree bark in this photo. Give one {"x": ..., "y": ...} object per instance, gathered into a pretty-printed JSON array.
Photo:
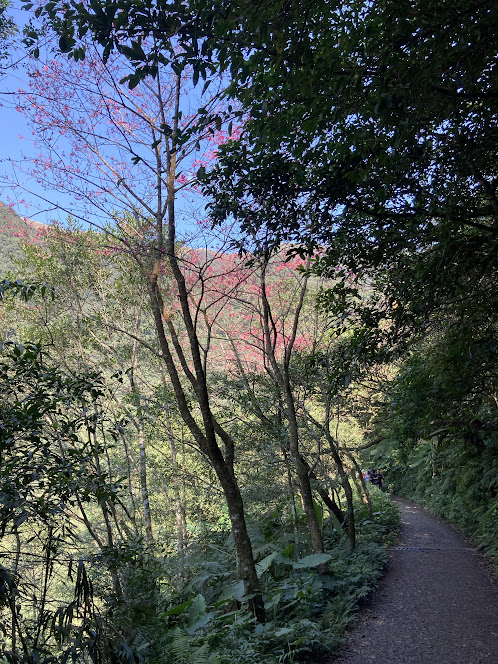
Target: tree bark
[
  {"x": 362, "y": 488},
  {"x": 351, "y": 528},
  {"x": 179, "y": 514},
  {"x": 144, "y": 488},
  {"x": 329, "y": 502},
  {"x": 149, "y": 536},
  {"x": 292, "y": 501}
]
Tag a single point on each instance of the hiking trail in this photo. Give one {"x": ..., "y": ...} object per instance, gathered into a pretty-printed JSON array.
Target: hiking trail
[{"x": 437, "y": 602}]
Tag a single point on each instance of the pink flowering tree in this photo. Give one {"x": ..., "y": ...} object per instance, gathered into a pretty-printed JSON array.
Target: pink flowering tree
[
  {"x": 129, "y": 158},
  {"x": 263, "y": 320},
  {"x": 271, "y": 331}
]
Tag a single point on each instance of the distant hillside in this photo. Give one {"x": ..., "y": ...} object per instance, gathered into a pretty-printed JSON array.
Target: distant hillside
[{"x": 13, "y": 231}]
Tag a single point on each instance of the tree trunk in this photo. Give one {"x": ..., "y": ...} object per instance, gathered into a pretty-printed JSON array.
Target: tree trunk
[
  {"x": 280, "y": 374},
  {"x": 143, "y": 484},
  {"x": 242, "y": 541},
  {"x": 129, "y": 462},
  {"x": 347, "y": 491},
  {"x": 329, "y": 501},
  {"x": 139, "y": 422},
  {"x": 179, "y": 515},
  {"x": 309, "y": 508},
  {"x": 292, "y": 501},
  {"x": 206, "y": 434},
  {"x": 302, "y": 472},
  {"x": 362, "y": 489}
]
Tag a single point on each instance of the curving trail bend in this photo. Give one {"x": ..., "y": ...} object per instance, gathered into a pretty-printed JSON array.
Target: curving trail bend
[{"x": 437, "y": 603}]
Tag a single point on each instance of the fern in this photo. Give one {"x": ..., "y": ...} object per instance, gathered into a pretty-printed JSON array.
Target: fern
[{"x": 185, "y": 651}]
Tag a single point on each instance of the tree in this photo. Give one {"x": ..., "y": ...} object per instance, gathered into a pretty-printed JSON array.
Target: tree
[
  {"x": 7, "y": 28},
  {"x": 371, "y": 131},
  {"x": 270, "y": 325},
  {"x": 47, "y": 452},
  {"x": 270, "y": 303},
  {"x": 357, "y": 80},
  {"x": 381, "y": 165},
  {"x": 129, "y": 159},
  {"x": 84, "y": 324}
]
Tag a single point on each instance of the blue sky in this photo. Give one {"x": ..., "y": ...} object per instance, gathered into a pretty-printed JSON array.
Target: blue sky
[{"x": 28, "y": 197}]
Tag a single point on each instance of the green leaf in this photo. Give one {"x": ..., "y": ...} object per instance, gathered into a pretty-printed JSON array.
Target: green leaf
[
  {"x": 283, "y": 631},
  {"x": 177, "y": 610},
  {"x": 197, "y": 616},
  {"x": 235, "y": 591},
  {"x": 265, "y": 564},
  {"x": 312, "y": 560},
  {"x": 318, "y": 513}
]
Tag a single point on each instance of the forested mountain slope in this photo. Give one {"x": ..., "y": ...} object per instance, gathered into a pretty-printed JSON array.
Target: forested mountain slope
[
  {"x": 14, "y": 230},
  {"x": 99, "y": 434}
]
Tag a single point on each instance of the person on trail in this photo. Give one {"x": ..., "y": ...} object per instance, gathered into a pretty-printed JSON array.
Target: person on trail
[
  {"x": 377, "y": 478},
  {"x": 366, "y": 476}
]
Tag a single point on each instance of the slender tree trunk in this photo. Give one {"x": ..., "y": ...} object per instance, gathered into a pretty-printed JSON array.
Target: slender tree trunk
[
  {"x": 347, "y": 492},
  {"x": 118, "y": 587},
  {"x": 12, "y": 603},
  {"x": 292, "y": 502},
  {"x": 206, "y": 434},
  {"x": 301, "y": 469},
  {"x": 280, "y": 374},
  {"x": 241, "y": 538},
  {"x": 143, "y": 484},
  {"x": 362, "y": 489},
  {"x": 329, "y": 501},
  {"x": 144, "y": 488},
  {"x": 309, "y": 508},
  {"x": 129, "y": 462},
  {"x": 343, "y": 477},
  {"x": 179, "y": 515},
  {"x": 184, "y": 491},
  {"x": 206, "y": 439}
]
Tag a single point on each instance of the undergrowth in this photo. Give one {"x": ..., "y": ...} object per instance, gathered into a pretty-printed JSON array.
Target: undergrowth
[{"x": 208, "y": 622}]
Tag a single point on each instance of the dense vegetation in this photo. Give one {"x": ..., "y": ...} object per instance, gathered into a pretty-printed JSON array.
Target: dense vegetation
[
  {"x": 101, "y": 478},
  {"x": 186, "y": 419}
]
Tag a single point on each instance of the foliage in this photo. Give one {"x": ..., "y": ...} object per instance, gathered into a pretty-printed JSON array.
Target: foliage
[
  {"x": 307, "y": 612},
  {"x": 46, "y": 450},
  {"x": 355, "y": 144},
  {"x": 92, "y": 299},
  {"x": 369, "y": 143},
  {"x": 441, "y": 444},
  {"x": 44, "y": 459},
  {"x": 153, "y": 621},
  {"x": 7, "y": 27},
  {"x": 454, "y": 481}
]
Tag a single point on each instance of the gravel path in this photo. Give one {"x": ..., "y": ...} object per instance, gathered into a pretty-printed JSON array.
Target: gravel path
[{"x": 436, "y": 603}]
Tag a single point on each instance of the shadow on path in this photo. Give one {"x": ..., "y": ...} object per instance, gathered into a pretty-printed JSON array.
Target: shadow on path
[{"x": 436, "y": 603}]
